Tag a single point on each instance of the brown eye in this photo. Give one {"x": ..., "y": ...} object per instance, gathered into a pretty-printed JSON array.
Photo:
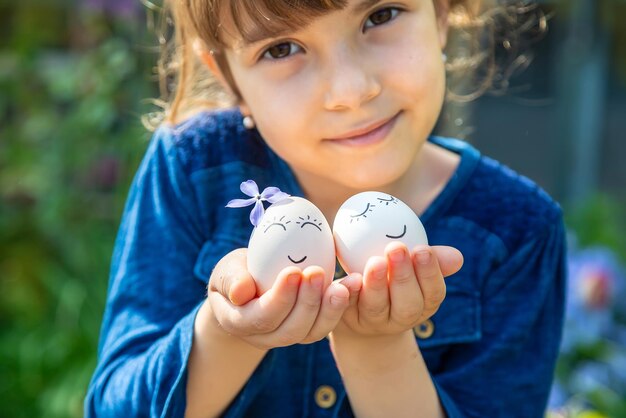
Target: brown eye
[
  {"x": 381, "y": 16},
  {"x": 281, "y": 50}
]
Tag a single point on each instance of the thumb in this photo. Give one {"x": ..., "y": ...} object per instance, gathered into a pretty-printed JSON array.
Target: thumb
[
  {"x": 450, "y": 259},
  {"x": 242, "y": 290},
  {"x": 231, "y": 278}
]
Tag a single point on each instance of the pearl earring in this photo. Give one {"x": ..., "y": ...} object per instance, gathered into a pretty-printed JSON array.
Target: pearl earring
[
  {"x": 444, "y": 57},
  {"x": 248, "y": 122}
]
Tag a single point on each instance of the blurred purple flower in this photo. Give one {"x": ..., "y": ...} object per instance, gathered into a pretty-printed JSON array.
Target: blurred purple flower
[
  {"x": 616, "y": 363},
  {"x": 594, "y": 335},
  {"x": 105, "y": 173},
  {"x": 596, "y": 287},
  {"x": 116, "y": 8},
  {"x": 249, "y": 188},
  {"x": 596, "y": 283},
  {"x": 589, "y": 377},
  {"x": 558, "y": 397},
  {"x": 620, "y": 338}
]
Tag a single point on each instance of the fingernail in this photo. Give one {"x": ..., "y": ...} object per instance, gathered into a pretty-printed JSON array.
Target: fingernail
[
  {"x": 317, "y": 280},
  {"x": 352, "y": 283},
  {"x": 293, "y": 278},
  {"x": 379, "y": 270},
  {"x": 397, "y": 256},
  {"x": 423, "y": 257}
]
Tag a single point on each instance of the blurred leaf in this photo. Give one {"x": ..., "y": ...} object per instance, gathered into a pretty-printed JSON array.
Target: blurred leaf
[
  {"x": 600, "y": 221},
  {"x": 71, "y": 140}
]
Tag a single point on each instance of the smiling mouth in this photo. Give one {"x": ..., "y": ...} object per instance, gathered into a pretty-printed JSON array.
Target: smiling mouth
[
  {"x": 397, "y": 236},
  {"x": 373, "y": 132},
  {"x": 296, "y": 262}
]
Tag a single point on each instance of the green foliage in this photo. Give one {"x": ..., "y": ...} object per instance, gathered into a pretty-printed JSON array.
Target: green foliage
[
  {"x": 70, "y": 140},
  {"x": 71, "y": 85},
  {"x": 600, "y": 221},
  {"x": 590, "y": 371}
]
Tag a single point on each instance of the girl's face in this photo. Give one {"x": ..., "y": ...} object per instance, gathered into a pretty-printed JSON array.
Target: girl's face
[{"x": 351, "y": 98}]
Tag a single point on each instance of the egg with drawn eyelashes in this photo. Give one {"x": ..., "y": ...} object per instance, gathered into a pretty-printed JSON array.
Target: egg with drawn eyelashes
[
  {"x": 292, "y": 232},
  {"x": 367, "y": 222}
]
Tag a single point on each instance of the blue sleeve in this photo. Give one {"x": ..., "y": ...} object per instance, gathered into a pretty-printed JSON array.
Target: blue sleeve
[
  {"x": 509, "y": 371},
  {"x": 153, "y": 297}
]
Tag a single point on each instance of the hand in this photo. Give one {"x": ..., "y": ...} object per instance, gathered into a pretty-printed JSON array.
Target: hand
[
  {"x": 299, "y": 308},
  {"x": 400, "y": 290}
]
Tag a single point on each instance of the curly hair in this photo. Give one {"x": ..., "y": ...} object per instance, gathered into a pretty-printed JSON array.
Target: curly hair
[{"x": 486, "y": 46}]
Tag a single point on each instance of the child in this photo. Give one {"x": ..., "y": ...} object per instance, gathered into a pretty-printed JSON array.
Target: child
[{"x": 332, "y": 98}]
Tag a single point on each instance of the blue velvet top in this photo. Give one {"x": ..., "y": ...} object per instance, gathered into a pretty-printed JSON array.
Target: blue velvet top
[{"x": 490, "y": 348}]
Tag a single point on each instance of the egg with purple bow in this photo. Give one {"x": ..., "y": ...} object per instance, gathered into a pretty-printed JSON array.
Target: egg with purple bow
[{"x": 291, "y": 232}]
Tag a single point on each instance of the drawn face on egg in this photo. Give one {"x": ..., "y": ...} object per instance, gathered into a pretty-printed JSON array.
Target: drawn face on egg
[
  {"x": 292, "y": 232},
  {"x": 367, "y": 222},
  {"x": 274, "y": 229}
]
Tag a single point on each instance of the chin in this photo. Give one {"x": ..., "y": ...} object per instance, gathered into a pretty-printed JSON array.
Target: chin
[{"x": 371, "y": 180}]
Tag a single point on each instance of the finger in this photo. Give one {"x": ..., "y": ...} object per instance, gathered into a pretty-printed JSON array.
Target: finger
[
  {"x": 275, "y": 304},
  {"x": 353, "y": 282},
  {"x": 232, "y": 279},
  {"x": 242, "y": 290},
  {"x": 430, "y": 279},
  {"x": 404, "y": 291},
  {"x": 300, "y": 320},
  {"x": 265, "y": 313},
  {"x": 450, "y": 259},
  {"x": 374, "y": 296},
  {"x": 334, "y": 303}
]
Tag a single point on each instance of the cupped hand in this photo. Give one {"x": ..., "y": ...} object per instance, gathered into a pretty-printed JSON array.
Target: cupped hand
[
  {"x": 299, "y": 308},
  {"x": 400, "y": 290}
]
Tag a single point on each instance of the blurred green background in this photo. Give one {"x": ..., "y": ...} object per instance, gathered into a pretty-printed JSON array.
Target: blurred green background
[{"x": 75, "y": 78}]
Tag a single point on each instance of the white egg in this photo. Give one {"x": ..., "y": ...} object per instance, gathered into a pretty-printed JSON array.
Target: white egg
[
  {"x": 292, "y": 232},
  {"x": 367, "y": 222}
]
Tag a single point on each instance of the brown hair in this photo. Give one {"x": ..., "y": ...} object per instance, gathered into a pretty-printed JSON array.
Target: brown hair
[{"x": 478, "y": 29}]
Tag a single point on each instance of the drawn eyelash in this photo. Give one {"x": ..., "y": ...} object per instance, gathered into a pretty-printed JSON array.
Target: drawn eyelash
[
  {"x": 308, "y": 221},
  {"x": 388, "y": 201},
  {"x": 363, "y": 214},
  {"x": 277, "y": 223}
]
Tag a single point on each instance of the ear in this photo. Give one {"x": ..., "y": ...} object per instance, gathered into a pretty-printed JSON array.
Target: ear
[
  {"x": 442, "y": 10},
  {"x": 206, "y": 57}
]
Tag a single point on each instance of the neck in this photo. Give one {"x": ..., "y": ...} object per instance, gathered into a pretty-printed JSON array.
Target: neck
[{"x": 418, "y": 187}]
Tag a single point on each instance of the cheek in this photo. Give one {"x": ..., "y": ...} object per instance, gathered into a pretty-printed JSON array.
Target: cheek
[
  {"x": 413, "y": 66},
  {"x": 281, "y": 111},
  {"x": 420, "y": 73},
  {"x": 275, "y": 91}
]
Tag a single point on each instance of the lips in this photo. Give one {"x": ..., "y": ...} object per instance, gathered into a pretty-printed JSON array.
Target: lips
[{"x": 371, "y": 133}]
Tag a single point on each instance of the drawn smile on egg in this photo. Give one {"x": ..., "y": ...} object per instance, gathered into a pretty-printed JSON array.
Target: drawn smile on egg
[
  {"x": 296, "y": 262},
  {"x": 397, "y": 236}
]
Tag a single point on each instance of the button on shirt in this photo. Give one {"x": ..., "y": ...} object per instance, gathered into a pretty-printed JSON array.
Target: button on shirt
[
  {"x": 490, "y": 348},
  {"x": 325, "y": 396},
  {"x": 425, "y": 329}
]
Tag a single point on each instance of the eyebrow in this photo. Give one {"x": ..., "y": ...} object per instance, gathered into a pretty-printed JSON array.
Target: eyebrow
[
  {"x": 365, "y": 5},
  {"x": 258, "y": 35}
]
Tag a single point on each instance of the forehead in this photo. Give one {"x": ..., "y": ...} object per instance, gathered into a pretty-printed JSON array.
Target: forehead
[{"x": 244, "y": 22}]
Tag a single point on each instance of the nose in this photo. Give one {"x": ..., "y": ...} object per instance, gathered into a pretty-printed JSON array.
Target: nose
[{"x": 350, "y": 81}]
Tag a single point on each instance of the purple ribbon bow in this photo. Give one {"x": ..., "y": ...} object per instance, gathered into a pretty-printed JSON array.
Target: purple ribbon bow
[{"x": 249, "y": 188}]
